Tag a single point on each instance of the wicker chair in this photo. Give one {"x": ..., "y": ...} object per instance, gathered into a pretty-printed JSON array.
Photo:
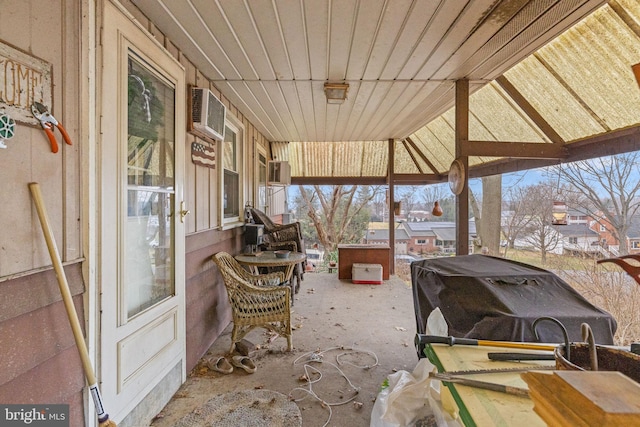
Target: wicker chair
[
  {"x": 282, "y": 234},
  {"x": 256, "y": 300}
]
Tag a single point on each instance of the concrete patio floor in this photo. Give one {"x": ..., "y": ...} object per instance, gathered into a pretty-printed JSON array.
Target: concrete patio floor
[{"x": 376, "y": 320}]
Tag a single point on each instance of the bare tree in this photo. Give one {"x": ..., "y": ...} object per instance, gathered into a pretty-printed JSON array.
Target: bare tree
[
  {"x": 540, "y": 234},
  {"x": 438, "y": 193},
  {"x": 614, "y": 292},
  {"x": 517, "y": 218},
  {"x": 607, "y": 186},
  {"x": 339, "y": 213},
  {"x": 408, "y": 196}
]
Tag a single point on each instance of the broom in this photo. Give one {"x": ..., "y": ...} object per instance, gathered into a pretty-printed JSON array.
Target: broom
[{"x": 103, "y": 417}]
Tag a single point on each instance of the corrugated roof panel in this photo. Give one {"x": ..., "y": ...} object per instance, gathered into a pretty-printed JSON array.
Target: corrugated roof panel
[
  {"x": 434, "y": 139},
  {"x": 417, "y": 156},
  {"x": 632, "y": 7},
  {"x": 594, "y": 59},
  {"x": 347, "y": 158},
  {"x": 553, "y": 102},
  {"x": 280, "y": 151},
  {"x": 353, "y": 158},
  {"x": 375, "y": 158},
  {"x": 428, "y": 142},
  {"x": 494, "y": 117},
  {"x": 403, "y": 161},
  {"x": 317, "y": 159},
  {"x": 581, "y": 83},
  {"x": 295, "y": 159}
]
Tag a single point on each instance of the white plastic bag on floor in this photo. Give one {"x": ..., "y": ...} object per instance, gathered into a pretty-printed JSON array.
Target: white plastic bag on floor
[
  {"x": 405, "y": 399},
  {"x": 408, "y": 397}
]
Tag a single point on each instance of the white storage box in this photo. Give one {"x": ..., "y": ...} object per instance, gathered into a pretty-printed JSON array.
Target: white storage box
[{"x": 366, "y": 274}]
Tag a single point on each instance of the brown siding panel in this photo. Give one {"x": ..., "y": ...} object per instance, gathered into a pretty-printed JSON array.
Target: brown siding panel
[
  {"x": 40, "y": 361},
  {"x": 208, "y": 312}
]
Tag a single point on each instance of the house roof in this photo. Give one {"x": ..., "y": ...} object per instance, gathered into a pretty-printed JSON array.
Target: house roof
[
  {"x": 445, "y": 234},
  {"x": 383, "y": 234},
  {"x": 553, "y": 74},
  {"x": 575, "y": 230},
  {"x": 433, "y": 228}
]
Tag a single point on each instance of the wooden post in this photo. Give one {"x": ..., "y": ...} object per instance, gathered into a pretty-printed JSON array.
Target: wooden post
[
  {"x": 462, "y": 135},
  {"x": 392, "y": 219}
]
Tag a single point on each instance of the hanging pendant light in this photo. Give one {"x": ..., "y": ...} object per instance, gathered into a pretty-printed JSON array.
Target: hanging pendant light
[{"x": 437, "y": 210}]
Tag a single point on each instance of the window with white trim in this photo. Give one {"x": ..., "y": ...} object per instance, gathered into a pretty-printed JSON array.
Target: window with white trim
[{"x": 232, "y": 174}]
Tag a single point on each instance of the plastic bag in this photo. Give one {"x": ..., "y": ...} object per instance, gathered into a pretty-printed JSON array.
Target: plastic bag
[
  {"x": 409, "y": 396},
  {"x": 405, "y": 399}
]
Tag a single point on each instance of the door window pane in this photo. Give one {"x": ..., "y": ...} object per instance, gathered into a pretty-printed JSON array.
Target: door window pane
[{"x": 149, "y": 232}]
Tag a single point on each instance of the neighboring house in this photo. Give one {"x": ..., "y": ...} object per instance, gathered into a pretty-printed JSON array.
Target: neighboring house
[
  {"x": 432, "y": 237},
  {"x": 380, "y": 236},
  {"x": 603, "y": 228},
  {"x": 575, "y": 239},
  {"x": 575, "y": 217},
  {"x": 633, "y": 236}
]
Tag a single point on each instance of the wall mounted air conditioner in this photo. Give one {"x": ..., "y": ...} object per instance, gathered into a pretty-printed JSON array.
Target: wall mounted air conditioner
[
  {"x": 279, "y": 173},
  {"x": 207, "y": 114}
]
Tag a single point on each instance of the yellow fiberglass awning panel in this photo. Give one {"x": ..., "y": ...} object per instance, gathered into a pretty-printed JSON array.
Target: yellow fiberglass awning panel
[
  {"x": 375, "y": 159},
  {"x": 493, "y": 116},
  {"x": 311, "y": 158},
  {"x": 280, "y": 151},
  {"x": 581, "y": 83},
  {"x": 594, "y": 58},
  {"x": 347, "y": 158},
  {"x": 435, "y": 142},
  {"x": 360, "y": 158},
  {"x": 338, "y": 159},
  {"x": 403, "y": 162},
  {"x": 553, "y": 101},
  {"x": 433, "y": 149},
  {"x": 296, "y": 159}
]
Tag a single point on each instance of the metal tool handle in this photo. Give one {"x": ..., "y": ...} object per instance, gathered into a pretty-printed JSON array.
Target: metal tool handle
[{"x": 520, "y": 356}]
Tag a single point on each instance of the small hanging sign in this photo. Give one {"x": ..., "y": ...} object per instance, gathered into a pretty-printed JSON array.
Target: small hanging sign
[
  {"x": 203, "y": 155},
  {"x": 24, "y": 79}
]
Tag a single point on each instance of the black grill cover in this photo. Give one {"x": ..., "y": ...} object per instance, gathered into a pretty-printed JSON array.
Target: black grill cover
[{"x": 489, "y": 298}]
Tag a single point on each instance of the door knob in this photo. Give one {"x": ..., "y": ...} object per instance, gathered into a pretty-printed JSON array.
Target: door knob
[{"x": 183, "y": 212}]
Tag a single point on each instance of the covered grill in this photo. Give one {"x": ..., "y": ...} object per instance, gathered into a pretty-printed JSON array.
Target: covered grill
[{"x": 490, "y": 298}]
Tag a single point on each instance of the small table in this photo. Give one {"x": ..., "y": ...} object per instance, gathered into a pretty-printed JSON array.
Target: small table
[{"x": 269, "y": 259}]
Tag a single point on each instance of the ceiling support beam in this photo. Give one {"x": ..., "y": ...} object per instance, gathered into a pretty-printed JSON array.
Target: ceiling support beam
[
  {"x": 461, "y": 135},
  {"x": 392, "y": 219},
  {"x": 339, "y": 180},
  {"x": 421, "y": 154},
  {"x": 529, "y": 110},
  {"x": 413, "y": 157},
  {"x": 522, "y": 150},
  {"x": 609, "y": 144},
  {"x": 418, "y": 179}
]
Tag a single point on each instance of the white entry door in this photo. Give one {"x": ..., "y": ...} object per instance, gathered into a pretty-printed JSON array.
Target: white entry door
[{"x": 141, "y": 159}]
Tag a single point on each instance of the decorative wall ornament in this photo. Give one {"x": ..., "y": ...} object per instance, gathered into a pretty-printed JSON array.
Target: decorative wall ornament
[
  {"x": 24, "y": 79},
  {"x": 7, "y": 127},
  {"x": 203, "y": 155}
]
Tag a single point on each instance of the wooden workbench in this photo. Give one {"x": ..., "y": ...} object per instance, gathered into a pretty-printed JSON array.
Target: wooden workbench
[{"x": 480, "y": 407}]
